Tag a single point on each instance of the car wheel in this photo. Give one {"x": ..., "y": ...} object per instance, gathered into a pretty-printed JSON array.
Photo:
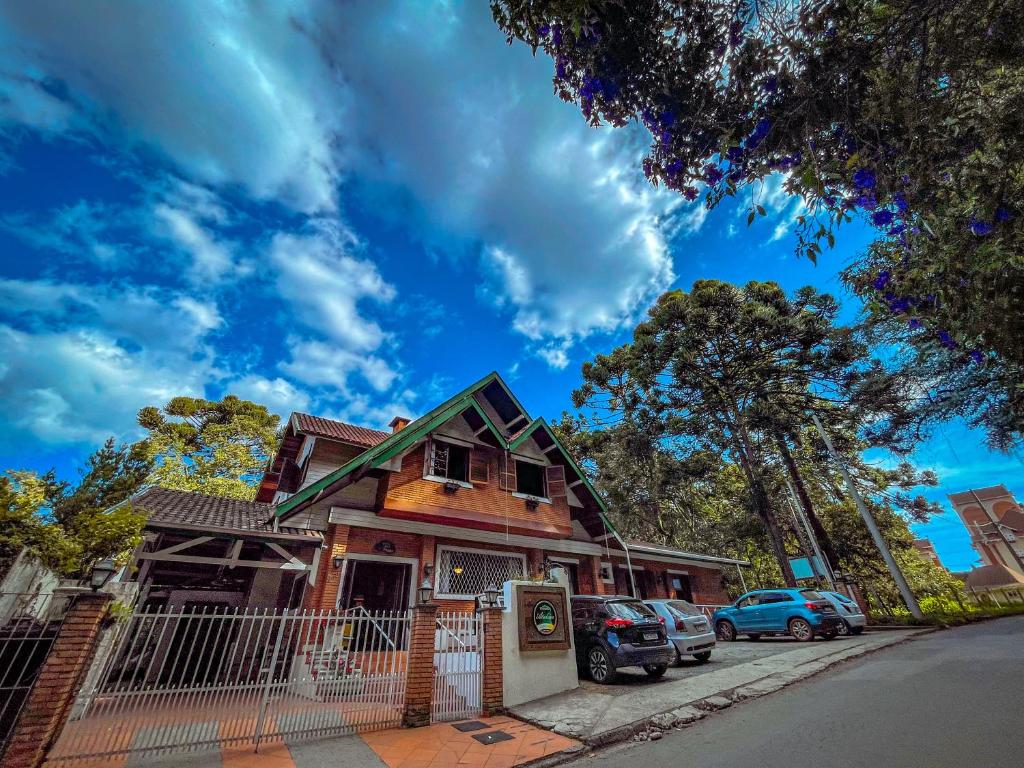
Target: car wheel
[
  {"x": 703, "y": 656},
  {"x": 755, "y": 636},
  {"x": 801, "y": 630},
  {"x": 845, "y": 629},
  {"x": 655, "y": 670},
  {"x": 679, "y": 658},
  {"x": 724, "y": 630},
  {"x": 856, "y": 630},
  {"x": 599, "y": 665},
  {"x": 831, "y": 635}
]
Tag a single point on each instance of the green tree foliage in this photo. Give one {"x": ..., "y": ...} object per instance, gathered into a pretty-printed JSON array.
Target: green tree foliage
[
  {"x": 66, "y": 526},
  {"x": 907, "y": 113},
  {"x": 214, "y": 447}
]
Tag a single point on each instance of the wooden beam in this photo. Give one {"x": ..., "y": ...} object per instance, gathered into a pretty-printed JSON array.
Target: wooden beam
[
  {"x": 236, "y": 550},
  {"x": 285, "y": 554},
  {"x": 185, "y": 545},
  {"x": 176, "y": 558}
]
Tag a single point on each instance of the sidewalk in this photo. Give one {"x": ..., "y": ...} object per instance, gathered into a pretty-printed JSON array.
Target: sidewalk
[
  {"x": 599, "y": 715},
  {"x": 493, "y": 742}
]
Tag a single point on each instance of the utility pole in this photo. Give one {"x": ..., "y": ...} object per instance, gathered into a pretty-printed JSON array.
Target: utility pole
[
  {"x": 869, "y": 521},
  {"x": 802, "y": 519},
  {"x": 999, "y": 530}
]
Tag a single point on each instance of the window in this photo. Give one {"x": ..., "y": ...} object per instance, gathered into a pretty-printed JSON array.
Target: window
[
  {"x": 682, "y": 608},
  {"x": 633, "y": 610},
  {"x": 775, "y": 597},
  {"x": 749, "y": 601},
  {"x": 607, "y": 573},
  {"x": 811, "y": 594},
  {"x": 447, "y": 461},
  {"x": 530, "y": 479},
  {"x": 468, "y": 572}
]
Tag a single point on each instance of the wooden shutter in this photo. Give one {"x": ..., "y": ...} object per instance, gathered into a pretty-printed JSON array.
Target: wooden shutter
[
  {"x": 428, "y": 457},
  {"x": 555, "y": 481},
  {"x": 507, "y": 475},
  {"x": 479, "y": 467}
]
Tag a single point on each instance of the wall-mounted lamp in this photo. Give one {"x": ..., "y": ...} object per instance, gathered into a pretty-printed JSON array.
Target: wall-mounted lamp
[
  {"x": 424, "y": 593},
  {"x": 491, "y": 596},
  {"x": 101, "y": 573},
  {"x": 457, "y": 570},
  {"x": 337, "y": 561}
]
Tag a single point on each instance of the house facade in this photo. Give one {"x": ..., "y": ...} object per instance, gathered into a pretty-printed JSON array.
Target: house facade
[
  {"x": 995, "y": 522},
  {"x": 468, "y": 496}
]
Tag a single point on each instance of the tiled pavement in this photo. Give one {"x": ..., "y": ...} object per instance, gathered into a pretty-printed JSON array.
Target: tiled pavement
[{"x": 441, "y": 745}]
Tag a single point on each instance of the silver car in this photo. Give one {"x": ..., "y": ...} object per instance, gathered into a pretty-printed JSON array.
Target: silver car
[
  {"x": 853, "y": 620},
  {"x": 688, "y": 629}
]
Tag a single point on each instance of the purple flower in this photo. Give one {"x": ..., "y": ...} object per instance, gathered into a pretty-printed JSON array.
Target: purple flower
[
  {"x": 771, "y": 85},
  {"x": 674, "y": 168},
  {"x": 914, "y": 324},
  {"x": 690, "y": 193},
  {"x": 831, "y": 201},
  {"x": 560, "y": 68},
  {"x": 899, "y": 229},
  {"x": 868, "y": 201},
  {"x": 980, "y": 228},
  {"x": 977, "y": 357},
  {"x": 947, "y": 340},
  {"x": 543, "y": 30},
  {"x": 900, "y": 201},
  {"x": 556, "y": 35},
  {"x": 881, "y": 281},
  {"x": 882, "y": 218},
  {"x": 735, "y": 154},
  {"x": 712, "y": 174},
  {"x": 1002, "y": 215},
  {"x": 899, "y": 305},
  {"x": 864, "y": 178}
]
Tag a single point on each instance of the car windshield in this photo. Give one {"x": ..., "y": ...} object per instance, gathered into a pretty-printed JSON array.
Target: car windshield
[
  {"x": 810, "y": 594},
  {"x": 682, "y": 608},
  {"x": 633, "y": 610}
]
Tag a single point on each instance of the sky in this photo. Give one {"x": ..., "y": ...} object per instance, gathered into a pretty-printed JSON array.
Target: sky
[{"x": 351, "y": 209}]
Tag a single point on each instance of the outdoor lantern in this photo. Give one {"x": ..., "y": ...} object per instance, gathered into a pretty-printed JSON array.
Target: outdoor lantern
[
  {"x": 337, "y": 561},
  {"x": 101, "y": 573},
  {"x": 424, "y": 592},
  {"x": 491, "y": 595},
  {"x": 457, "y": 570}
]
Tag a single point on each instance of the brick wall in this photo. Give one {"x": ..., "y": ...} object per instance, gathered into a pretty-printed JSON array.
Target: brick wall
[
  {"x": 325, "y": 594},
  {"x": 409, "y": 487}
]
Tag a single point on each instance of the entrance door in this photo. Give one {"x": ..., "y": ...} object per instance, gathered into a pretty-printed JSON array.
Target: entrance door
[
  {"x": 679, "y": 586},
  {"x": 376, "y": 586}
]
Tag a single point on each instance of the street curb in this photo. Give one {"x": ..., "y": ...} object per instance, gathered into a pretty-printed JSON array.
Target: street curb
[{"x": 725, "y": 698}]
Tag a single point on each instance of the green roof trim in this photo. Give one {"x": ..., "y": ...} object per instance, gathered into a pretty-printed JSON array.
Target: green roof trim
[
  {"x": 528, "y": 432},
  {"x": 422, "y": 426}
]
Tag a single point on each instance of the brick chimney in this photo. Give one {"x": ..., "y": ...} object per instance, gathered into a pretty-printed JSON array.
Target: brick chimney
[{"x": 399, "y": 422}]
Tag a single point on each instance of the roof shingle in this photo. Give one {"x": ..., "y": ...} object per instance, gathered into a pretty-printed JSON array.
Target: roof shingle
[
  {"x": 170, "y": 507},
  {"x": 339, "y": 430}
]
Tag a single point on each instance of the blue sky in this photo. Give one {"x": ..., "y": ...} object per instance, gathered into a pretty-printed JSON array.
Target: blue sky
[{"x": 351, "y": 209}]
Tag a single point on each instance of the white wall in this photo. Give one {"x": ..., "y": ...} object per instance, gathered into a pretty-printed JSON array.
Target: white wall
[{"x": 535, "y": 674}]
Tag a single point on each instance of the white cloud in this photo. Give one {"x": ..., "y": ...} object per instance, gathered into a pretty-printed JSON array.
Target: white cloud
[
  {"x": 228, "y": 95},
  {"x": 279, "y": 395},
  {"x": 323, "y": 282},
  {"x": 211, "y": 258},
  {"x": 325, "y": 365}
]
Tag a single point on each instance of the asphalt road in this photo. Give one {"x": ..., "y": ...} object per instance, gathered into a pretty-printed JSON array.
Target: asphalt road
[{"x": 951, "y": 698}]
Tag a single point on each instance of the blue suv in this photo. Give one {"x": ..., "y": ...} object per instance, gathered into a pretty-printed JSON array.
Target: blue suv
[{"x": 802, "y": 613}]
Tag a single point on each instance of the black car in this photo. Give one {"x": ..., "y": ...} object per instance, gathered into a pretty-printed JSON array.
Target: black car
[{"x": 615, "y": 631}]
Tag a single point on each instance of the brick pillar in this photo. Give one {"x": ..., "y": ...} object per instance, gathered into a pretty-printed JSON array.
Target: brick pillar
[
  {"x": 535, "y": 562},
  {"x": 50, "y": 700},
  {"x": 493, "y": 700},
  {"x": 419, "y": 687},
  {"x": 325, "y": 594}
]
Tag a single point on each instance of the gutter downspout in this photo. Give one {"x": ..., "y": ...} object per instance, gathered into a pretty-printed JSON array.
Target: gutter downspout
[{"x": 629, "y": 565}]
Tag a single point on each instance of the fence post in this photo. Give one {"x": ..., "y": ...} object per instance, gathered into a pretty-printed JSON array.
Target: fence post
[
  {"x": 50, "y": 700},
  {"x": 419, "y": 691},
  {"x": 262, "y": 717},
  {"x": 493, "y": 695}
]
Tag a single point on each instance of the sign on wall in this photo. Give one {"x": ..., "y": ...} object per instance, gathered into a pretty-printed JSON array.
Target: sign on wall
[{"x": 543, "y": 618}]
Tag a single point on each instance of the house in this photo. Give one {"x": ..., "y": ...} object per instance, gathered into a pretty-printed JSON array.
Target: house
[
  {"x": 994, "y": 584},
  {"x": 995, "y": 522},
  {"x": 470, "y": 495},
  {"x": 926, "y": 551}
]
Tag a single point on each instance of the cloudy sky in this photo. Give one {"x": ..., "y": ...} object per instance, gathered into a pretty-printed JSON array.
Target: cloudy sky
[{"x": 351, "y": 209}]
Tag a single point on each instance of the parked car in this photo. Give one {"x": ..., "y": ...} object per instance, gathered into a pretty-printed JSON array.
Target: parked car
[
  {"x": 616, "y": 631},
  {"x": 853, "y": 620},
  {"x": 688, "y": 629},
  {"x": 802, "y": 613}
]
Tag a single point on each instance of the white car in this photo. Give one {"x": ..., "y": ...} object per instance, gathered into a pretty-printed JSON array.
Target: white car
[
  {"x": 853, "y": 620},
  {"x": 688, "y": 629}
]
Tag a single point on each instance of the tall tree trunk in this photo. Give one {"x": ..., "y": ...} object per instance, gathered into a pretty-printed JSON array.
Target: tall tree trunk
[
  {"x": 824, "y": 540},
  {"x": 763, "y": 505}
]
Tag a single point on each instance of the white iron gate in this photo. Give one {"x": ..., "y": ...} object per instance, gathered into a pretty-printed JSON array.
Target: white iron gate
[
  {"x": 196, "y": 679},
  {"x": 458, "y": 666}
]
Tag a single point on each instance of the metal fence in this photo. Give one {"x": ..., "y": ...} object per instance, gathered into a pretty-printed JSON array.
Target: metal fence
[
  {"x": 458, "y": 666},
  {"x": 29, "y": 622},
  {"x": 194, "y": 679}
]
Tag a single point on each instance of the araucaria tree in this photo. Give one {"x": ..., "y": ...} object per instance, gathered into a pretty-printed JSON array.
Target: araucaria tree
[
  {"x": 721, "y": 369},
  {"x": 907, "y": 113},
  {"x": 214, "y": 447}
]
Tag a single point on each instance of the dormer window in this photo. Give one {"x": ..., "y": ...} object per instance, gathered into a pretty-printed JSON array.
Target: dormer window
[
  {"x": 448, "y": 461},
  {"x": 530, "y": 479}
]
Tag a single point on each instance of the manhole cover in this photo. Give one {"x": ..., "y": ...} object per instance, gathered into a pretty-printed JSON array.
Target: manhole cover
[
  {"x": 492, "y": 738},
  {"x": 469, "y": 725}
]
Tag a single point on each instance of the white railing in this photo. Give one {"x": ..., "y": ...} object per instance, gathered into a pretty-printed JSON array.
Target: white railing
[
  {"x": 458, "y": 665},
  {"x": 194, "y": 679}
]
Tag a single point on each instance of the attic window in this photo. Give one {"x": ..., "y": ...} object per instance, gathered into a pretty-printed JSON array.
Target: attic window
[
  {"x": 530, "y": 479},
  {"x": 447, "y": 461}
]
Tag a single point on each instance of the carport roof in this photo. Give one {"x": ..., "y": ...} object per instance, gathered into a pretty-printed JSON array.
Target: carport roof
[{"x": 993, "y": 577}]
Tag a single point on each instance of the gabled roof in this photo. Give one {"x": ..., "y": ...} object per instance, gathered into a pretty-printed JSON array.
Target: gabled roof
[
  {"x": 985, "y": 494},
  {"x": 167, "y": 508},
  {"x": 993, "y": 577},
  {"x": 463, "y": 403},
  {"x": 338, "y": 430}
]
